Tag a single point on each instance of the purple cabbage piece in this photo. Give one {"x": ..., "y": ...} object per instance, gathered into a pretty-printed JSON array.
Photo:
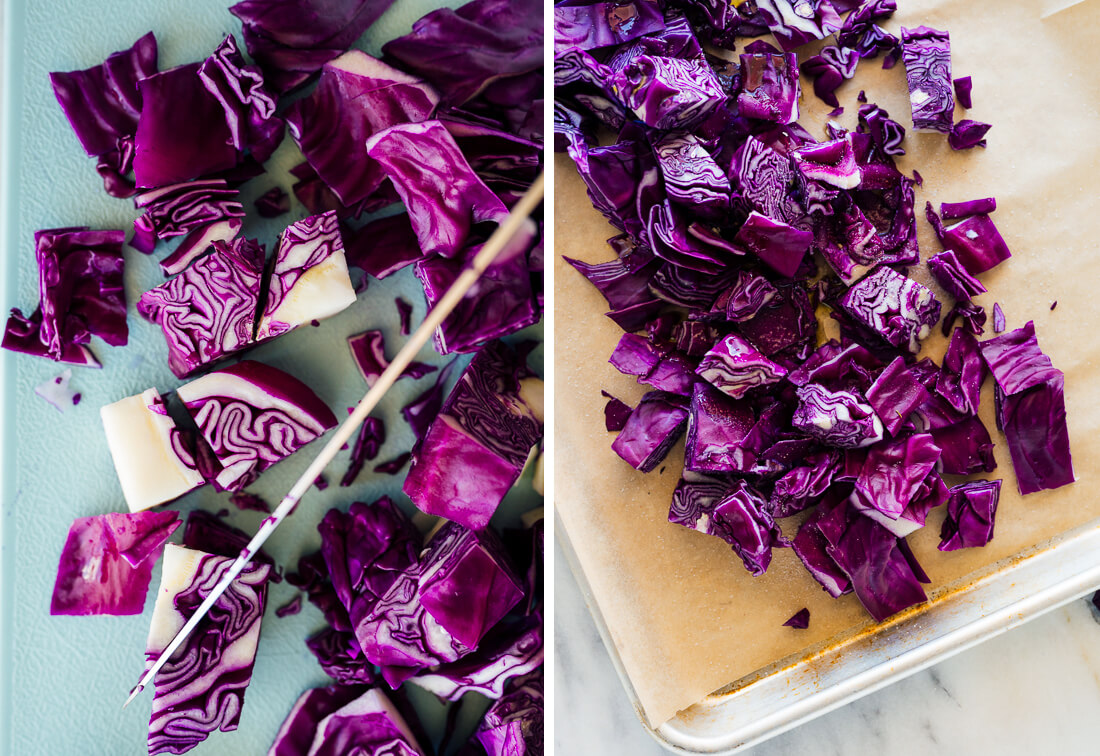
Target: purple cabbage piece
[
  {"x": 734, "y": 366},
  {"x": 781, "y": 246},
  {"x": 668, "y": 93},
  {"x": 927, "y": 56},
  {"x": 1017, "y": 362},
  {"x": 692, "y": 177},
  {"x": 960, "y": 379},
  {"x": 102, "y": 103},
  {"x": 249, "y": 107},
  {"x": 973, "y": 318},
  {"x": 837, "y": 366},
  {"x": 596, "y": 25},
  {"x": 971, "y": 509},
  {"x": 201, "y": 688},
  {"x": 883, "y": 572},
  {"x": 953, "y": 277},
  {"x": 356, "y": 97},
  {"x": 930, "y": 494},
  {"x": 466, "y": 51},
  {"x": 292, "y": 39},
  {"x": 384, "y": 246},
  {"x": 746, "y": 297},
  {"x": 742, "y": 520},
  {"x": 368, "y": 442},
  {"x": 894, "y": 394},
  {"x": 804, "y": 485},
  {"x": 107, "y": 562},
  {"x": 210, "y": 533},
  {"x": 999, "y": 322},
  {"x": 198, "y": 242},
  {"x": 967, "y": 447},
  {"x": 247, "y": 501},
  {"x": 800, "y": 620},
  {"x": 968, "y": 134},
  {"x": 812, "y": 549},
  {"x": 500, "y": 303},
  {"x": 892, "y": 473},
  {"x": 963, "y": 86},
  {"x": 429, "y": 172},
  {"x": 57, "y": 392},
  {"x": 690, "y": 244},
  {"x": 404, "y": 313},
  {"x": 763, "y": 179},
  {"x": 393, "y": 466},
  {"x": 615, "y": 412},
  {"x": 694, "y": 499},
  {"x": 477, "y": 445},
  {"x": 421, "y": 411},
  {"x": 796, "y": 22},
  {"x": 339, "y": 656},
  {"x": 294, "y": 606},
  {"x": 785, "y": 325},
  {"x": 80, "y": 291},
  {"x": 508, "y": 651},
  {"x": 182, "y": 133},
  {"x": 467, "y": 582},
  {"x": 179, "y": 209},
  {"x": 836, "y": 418},
  {"x": 886, "y": 133},
  {"x": 513, "y": 725},
  {"x": 859, "y": 31},
  {"x": 957, "y": 210},
  {"x": 769, "y": 87},
  {"x": 654, "y": 426},
  {"x": 899, "y": 309},
  {"x": 273, "y": 203},
  {"x": 295, "y": 736},
  {"x": 624, "y": 281},
  {"x": 254, "y": 415},
  {"x": 370, "y": 724},
  {"x": 717, "y": 426},
  {"x": 368, "y": 351},
  {"x": 309, "y": 279},
  {"x": 208, "y": 311},
  {"x": 832, "y": 163},
  {"x": 829, "y": 69}
]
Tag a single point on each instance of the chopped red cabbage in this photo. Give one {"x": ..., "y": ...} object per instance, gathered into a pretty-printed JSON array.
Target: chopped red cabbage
[
  {"x": 107, "y": 562},
  {"x": 513, "y": 725},
  {"x": 368, "y": 351},
  {"x": 927, "y": 56},
  {"x": 509, "y": 650},
  {"x": 371, "y": 436},
  {"x": 999, "y": 322},
  {"x": 422, "y": 411},
  {"x": 829, "y": 69},
  {"x": 953, "y": 277},
  {"x": 800, "y": 620},
  {"x": 973, "y": 318},
  {"x": 968, "y": 134},
  {"x": 370, "y": 724},
  {"x": 971, "y": 510},
  {"x": 654, "y": 426},
  {"x": 384, "y": 246},
  {"x": 249, "y": 108},
  {"x": 894, "y": 394},
  {"x": 963, "y": 87},
  {"x": 796, "y": 23},
  {"x": 977, "y": 243},
  {"x": 769, "y": 87},
  {"x": 668, "y": 93},
  {"x": 779, "y": 245},
  {"x": 717, "y": 426},
  {"x": 179, "y": 209},
  {"x": 899, "y": 309},
  {"x": 836, "y": 418},
  {"x": 296, "y": 734},
  {"x": 967, "y": 447},
  {"x": 21, "y": 334},
  {"x": 294, "y": 606},
  {"x": 803, "y": 486},
  {"x": 56, "y": 391},
  {"x": 957, "y": 210},
  {"x": 960, "y": 379},
  {"x": 595, "y": 25},
  {"x": 892, "y": 472},
  {"x": 616, "y": 413},
  {"x": 247, "y": 501},
  {"x": 272, "y": 203},
  {"x": 734, "y": 366},
  {"x": 393, "y": 466},
  {"x": 404, "y": 312}
]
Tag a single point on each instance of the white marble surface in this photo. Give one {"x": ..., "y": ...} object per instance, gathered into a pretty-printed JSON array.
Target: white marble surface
[{"x": 1033, "y": 690}]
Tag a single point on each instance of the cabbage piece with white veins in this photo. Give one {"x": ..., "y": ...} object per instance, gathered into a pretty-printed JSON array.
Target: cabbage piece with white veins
[
  {"x": 310, "y": 279},
  {"x": 369, "y": 725},
  {"x": 734, "y": 366},
  {"x": 153, "y": 462},
  {"x": 836, "y": 418},
  {"x": 201, "y": 688},
  {"x": 899, "y": 309},
  {"x": 253, "y": 415}
]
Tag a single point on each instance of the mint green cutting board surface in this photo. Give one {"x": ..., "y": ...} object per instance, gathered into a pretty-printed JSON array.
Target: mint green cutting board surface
[{"x": 63, "y": 679}]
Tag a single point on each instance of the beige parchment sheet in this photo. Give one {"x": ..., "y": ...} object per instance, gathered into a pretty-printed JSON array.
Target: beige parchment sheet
[{"x": 682, "y": 612}]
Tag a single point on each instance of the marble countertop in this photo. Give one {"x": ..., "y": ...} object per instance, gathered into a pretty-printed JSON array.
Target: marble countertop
[{"x": 1032, "y": 690}]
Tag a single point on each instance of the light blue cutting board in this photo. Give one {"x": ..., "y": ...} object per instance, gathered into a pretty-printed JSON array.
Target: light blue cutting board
[{"x": 63, "y": 679}]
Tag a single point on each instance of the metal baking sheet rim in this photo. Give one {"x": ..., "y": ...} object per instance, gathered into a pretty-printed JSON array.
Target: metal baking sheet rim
[{"x": 864, "y": 659}]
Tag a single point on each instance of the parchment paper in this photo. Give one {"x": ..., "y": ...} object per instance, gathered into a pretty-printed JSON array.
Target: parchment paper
[{"x": 684, "y": 615}]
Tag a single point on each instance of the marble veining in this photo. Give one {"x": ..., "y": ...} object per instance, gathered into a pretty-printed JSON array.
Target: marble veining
[{"x": 1032, "y": 690}]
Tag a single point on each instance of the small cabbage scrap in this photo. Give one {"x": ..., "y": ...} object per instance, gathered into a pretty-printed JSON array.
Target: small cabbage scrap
[
  {"x": 476, "y": 447},
  {"x": 151, "y": 457},
  {"x": 445, "y": 199},
  {"x": 717, "y": 426},
  {"x": 953, "y": 277},
  {"x": 800, "y": 620},
  {"x": 927, "y": 56},
  {"x": 779, "y": 245},
  {"x": 182, "y": 132},
  {"x": 107, "y": 562},
  {"x": 272, "y": 203},
  {"x": 796, "y": 22},
  {"x": 669, "y": 93},
  {"x": 836, "y": 418},
  {"x": 734, "y": 366},
  {"x": 596, "y": 25},
  {"x": 1031, "y": 409},
  {"x": 508, "y": 651},
  {"x": 102, "y": 103},
  {"x": 513, "y": 725},
  {"x": 769, "y": 87},
  {"x": 368, "y": 351},
  {"x": 292, "y": 39},
  {"x": 296, "y": 734},
  {"x": 968, "y": 134},
  {"x": 208, "y": 312},
  {"x": 977, "y": 243},
  {"x": 829, "y": 69},
  {"x": 253, "y": 415},
  {"x": 652, "y": 429},
  {"x": 370, "y": 724},
  {"x": 894, "y": 394},
  {"x": 832, "y": 163},
  {"x": 309, "y": 280},
  {"x": 57, "y": 392},
  {"x": 897, "y": 308},
  {"x": 356, "y": 97},
  {"x": 201, "y": 687},
  {"x": 971, "y": 509},
  {"x": 368, "y": 442},
  {"x": 467, "y": 582},
  {"x": 249, "y": 107}
]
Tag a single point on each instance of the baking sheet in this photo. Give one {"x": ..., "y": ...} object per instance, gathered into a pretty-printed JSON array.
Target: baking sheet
[
  {"x": 684, "y": 616},
  {"x": 63, "y": 679}
]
